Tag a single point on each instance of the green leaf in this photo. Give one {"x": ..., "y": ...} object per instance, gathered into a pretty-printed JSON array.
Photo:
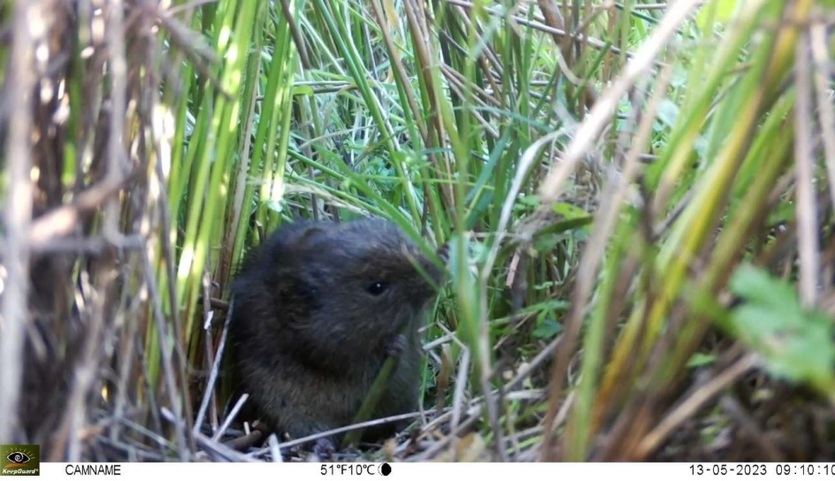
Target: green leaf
[
  {"x": 721, "y": 11},
  {"x": 667, "y": 112},
  {"x": 569, "y": 211},
  {"x": 795, "y": 344},
  {"x": 701, "y": 359},
  {"x": 303, "y": 90},
  {"x": 547, "y": 328}
]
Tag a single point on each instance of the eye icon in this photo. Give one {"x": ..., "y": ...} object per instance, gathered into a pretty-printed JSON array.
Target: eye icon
[{"x": 18, "y": 457}]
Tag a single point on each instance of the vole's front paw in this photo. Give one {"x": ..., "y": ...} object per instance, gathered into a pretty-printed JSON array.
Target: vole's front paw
[
  {"x": 396, "y": 346},
  {"x": 324, "y": 449}
]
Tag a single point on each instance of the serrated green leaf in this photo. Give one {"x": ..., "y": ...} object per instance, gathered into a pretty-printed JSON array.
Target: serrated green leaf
[{"x": 795, "y": 344}]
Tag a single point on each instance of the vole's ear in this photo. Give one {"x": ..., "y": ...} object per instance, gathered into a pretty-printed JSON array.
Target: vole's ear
[
  {"x": 305, "y": 236},
  {"x": 280, "y": 249},
  {"x": 311, "y": 233}
]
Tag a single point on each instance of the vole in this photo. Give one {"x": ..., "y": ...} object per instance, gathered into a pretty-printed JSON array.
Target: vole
[{"x": 317, "y": 308}]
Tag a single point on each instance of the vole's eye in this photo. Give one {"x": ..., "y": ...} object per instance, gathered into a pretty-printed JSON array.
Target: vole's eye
[{"x": 377, "y": 288}]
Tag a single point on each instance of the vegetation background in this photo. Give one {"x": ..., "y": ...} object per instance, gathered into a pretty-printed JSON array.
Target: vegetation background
[{"x": 637, "y": 197}]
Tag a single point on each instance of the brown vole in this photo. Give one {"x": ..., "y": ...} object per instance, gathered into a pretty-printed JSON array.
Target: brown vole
[{"x": 317, "y": 308}]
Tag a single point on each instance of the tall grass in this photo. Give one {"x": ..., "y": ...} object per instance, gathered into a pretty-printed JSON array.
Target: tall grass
[{"x": 636, "y": 198}]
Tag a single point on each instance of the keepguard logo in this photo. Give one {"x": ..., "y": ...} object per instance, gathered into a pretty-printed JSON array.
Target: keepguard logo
[{"x": 20, "y": 460}]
